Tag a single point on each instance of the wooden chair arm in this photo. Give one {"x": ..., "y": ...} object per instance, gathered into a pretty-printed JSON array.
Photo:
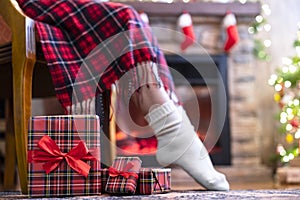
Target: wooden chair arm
[{"x": 23, "y": 61}]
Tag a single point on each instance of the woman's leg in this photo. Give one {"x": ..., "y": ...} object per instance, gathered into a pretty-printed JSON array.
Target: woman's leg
[{"x": 178, "y": 142}]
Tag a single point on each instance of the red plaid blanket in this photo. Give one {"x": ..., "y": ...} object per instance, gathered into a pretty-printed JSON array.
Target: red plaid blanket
[{"x": 88, "y": 45}]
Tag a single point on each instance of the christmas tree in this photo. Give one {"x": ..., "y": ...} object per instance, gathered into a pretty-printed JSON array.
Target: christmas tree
[{"x": 286, "y": 83}]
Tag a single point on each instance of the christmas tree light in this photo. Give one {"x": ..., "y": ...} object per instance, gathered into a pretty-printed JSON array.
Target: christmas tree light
[
  {"x": 286, "y": 83},
  {"x": 258, "y": 26}
]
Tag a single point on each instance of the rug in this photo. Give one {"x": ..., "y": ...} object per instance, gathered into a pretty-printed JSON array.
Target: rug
[{"x": 188, "y": 195}]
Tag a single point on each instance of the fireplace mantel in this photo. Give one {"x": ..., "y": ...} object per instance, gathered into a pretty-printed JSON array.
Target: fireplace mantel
[{"x": 249, "y": 9}]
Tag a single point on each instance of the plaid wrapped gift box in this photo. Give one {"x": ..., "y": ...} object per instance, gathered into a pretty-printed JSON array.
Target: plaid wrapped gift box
[
  {"x": 154, "y": 181},
  {"x": 150, "y": 181},
  {"x": 123, "y": 175},
  {"x": 64, "y": 155}
]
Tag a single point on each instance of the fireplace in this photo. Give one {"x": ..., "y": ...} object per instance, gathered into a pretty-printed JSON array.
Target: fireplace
[{"x": 199, "y": 82}]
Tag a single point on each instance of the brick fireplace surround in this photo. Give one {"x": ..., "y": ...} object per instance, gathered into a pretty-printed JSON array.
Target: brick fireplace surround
[{"x": 247, "y": 162}]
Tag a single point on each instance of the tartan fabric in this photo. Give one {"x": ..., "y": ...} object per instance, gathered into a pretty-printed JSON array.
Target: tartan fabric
[
  {"x": 67, "y": 131},
  {"x": 120, "y": 184},
  {"x": 154, "y": 181},
  {"x": 84, "y": 49},
  {"x": 150, "y": 181},
  {"x": 104, "y": 178}
]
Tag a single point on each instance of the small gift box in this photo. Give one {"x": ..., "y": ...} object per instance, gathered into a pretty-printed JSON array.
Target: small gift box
[
  {"x": 64, "y": 155},
  {"x": 154, "y": 181},
  {"x": 123, "y": 175}
]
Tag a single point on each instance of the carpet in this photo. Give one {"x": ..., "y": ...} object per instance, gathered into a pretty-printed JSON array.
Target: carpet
[{"x": 188, "y": 195}]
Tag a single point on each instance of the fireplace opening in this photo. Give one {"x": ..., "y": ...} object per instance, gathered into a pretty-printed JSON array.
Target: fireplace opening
[
  {"x": 195, "y": 93},
  {"x": 206, "y": 78}
]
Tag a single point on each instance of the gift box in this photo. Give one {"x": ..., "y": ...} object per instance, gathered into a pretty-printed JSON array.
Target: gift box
[
  {"x": 150, "y": 181},
  {"x": 288, "y": 175},
  {"x": 64, "y": 155},
  {"x": 123, "y": 175},
  {"x": 154, "y": 181}
]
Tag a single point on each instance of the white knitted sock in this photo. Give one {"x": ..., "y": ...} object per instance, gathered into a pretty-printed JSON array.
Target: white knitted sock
[{"x": 179, "y": 144}]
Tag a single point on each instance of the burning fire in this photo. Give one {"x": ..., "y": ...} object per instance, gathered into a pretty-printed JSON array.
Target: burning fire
[{"x": 130, "y": 145}]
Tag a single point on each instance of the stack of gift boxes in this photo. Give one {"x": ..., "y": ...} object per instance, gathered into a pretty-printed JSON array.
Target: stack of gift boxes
[{"x": 64, "y": 160}]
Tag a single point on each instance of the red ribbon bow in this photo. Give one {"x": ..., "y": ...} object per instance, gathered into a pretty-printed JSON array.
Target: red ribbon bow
[
  {"x": 125, "y": 172},
  {"x": 51, "y": 155}
]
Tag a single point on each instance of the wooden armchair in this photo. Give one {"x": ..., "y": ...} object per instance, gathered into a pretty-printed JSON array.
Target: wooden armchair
[{"x": 23, "y": 62}]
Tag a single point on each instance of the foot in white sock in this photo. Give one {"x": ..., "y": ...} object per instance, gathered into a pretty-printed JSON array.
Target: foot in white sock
[{"x": 179, "y": 144}]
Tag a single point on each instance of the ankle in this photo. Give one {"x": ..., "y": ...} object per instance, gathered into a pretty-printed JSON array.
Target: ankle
[{"x": 148, "y": 97}]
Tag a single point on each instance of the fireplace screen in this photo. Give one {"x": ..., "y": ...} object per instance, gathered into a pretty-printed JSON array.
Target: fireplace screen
[{"x": 200, "y": 90}]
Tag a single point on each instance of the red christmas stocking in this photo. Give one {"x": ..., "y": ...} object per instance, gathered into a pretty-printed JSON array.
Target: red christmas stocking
[
  {"x": 186, "y": 25},
  {"x": 229, "y": 22},
  {"x": 144, "y": 17}
]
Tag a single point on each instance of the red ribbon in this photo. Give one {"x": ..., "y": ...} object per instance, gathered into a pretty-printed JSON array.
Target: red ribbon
[
  {"x": 51, "y": 155},
  {"x": 125, "y": 172}
]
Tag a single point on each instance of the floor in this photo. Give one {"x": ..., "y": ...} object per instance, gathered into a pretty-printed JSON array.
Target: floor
[
  {"x": 240, "y": 178},
  {"x": 254, "y": 182}
]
